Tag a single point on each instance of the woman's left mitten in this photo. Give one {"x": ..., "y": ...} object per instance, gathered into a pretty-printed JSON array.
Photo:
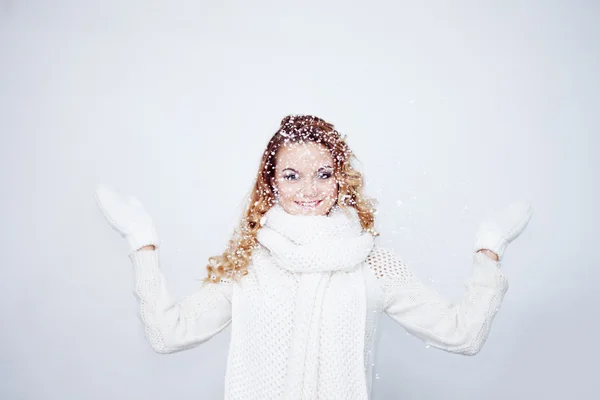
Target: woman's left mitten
[
  {"x": 495, "y": 233},
  {"x": 127, "y": 216}
]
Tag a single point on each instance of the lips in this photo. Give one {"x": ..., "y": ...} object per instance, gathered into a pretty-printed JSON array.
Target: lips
[{"x": 308, "y": 204}]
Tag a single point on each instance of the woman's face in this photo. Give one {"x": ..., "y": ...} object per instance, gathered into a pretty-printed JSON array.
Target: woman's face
[{"x": 304, "y": 179}]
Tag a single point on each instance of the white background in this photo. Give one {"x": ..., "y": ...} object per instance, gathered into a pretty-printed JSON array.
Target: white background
[{"x": 454, "y": 109}]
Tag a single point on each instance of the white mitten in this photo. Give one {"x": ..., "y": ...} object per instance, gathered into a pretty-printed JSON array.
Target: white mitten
[
  {"x": 127, "y": 216},
  {"x": 495, "y": 233}
]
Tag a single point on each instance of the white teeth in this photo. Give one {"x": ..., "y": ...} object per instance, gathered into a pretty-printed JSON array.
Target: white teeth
[{"x": 308, "y": 203}]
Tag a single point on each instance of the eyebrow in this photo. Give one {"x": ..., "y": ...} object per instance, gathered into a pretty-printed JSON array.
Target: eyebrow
[{"x": 320, "y": 169}]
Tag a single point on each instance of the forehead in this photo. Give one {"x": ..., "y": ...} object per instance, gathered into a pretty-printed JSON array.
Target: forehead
[{"x": 303, "y": 155}]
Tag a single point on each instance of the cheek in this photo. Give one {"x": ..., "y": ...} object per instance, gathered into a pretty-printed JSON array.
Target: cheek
[
  {"x": 286, "y": 189},
  {"x": 329, "y": 188}
]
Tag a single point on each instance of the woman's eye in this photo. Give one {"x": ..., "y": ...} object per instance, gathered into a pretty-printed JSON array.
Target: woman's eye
[
  {"x": 325, "y": 175},
  {"x": 291, "y": 177}
]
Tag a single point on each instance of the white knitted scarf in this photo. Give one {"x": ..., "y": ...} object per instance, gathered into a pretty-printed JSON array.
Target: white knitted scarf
[{"x": 326, "y": 356}]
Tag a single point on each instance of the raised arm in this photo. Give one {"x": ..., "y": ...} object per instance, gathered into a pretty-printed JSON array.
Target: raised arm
[
  {"x": 174, "y": 326},
  {"x": 460, "y": 327},
  {"x": 170, "y": 326}
]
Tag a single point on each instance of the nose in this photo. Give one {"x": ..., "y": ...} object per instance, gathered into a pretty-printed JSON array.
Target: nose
[{"x": 309, "y": 189}]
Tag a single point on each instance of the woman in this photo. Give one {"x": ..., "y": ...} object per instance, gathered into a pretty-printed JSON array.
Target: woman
[{"x": 302, "y": 282}]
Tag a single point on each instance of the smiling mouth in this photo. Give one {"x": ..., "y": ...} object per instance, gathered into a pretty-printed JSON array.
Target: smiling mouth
[{"x": 308, "y": 204}]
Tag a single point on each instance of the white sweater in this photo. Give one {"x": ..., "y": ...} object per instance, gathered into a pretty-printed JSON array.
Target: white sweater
[{"x": 391, "y": 288}]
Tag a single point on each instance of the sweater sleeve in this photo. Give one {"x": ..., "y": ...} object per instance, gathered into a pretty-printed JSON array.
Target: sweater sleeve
[
  {"x": 174, "y": 326},
  {"x": 462, "y": 327}
]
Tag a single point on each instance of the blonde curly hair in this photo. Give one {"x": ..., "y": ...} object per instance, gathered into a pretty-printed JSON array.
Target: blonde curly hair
[{"x": 233, "y": 263}]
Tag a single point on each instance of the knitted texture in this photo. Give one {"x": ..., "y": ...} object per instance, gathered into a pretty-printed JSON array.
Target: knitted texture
[
  {"x": 461, "y": 327},
  {"x": 174, "y": 326},
  {"x": 261, "y": 308},
  {"x": 321, "y": 260}
]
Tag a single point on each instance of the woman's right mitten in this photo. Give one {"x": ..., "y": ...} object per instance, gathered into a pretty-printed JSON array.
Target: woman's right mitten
[{"x": 127, "y": 216}]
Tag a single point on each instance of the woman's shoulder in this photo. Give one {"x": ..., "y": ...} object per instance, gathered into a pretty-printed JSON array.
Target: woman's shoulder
[
  {"x": 259, "y": 252},
  {"x": 260, "y": 255},
  {"x": 387, "y": 266},
  {"x": 382, "y": 258}
]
